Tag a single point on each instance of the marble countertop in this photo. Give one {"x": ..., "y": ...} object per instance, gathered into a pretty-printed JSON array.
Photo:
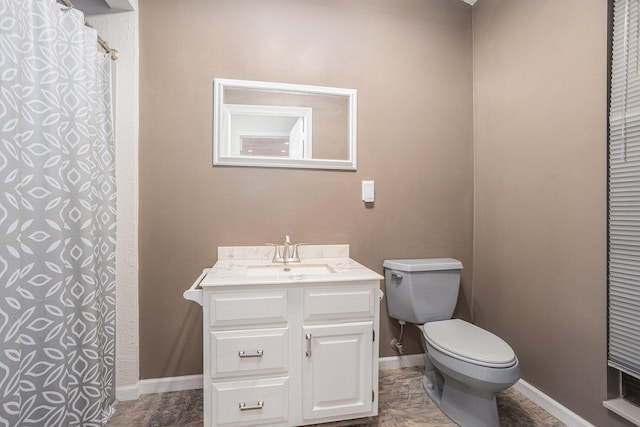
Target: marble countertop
[{"x": 332, "y": 262}]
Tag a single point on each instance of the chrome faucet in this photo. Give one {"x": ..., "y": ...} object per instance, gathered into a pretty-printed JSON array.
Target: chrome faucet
[
  {"x": 286, "y": 248},
  {"x": 289, "y": 251}
]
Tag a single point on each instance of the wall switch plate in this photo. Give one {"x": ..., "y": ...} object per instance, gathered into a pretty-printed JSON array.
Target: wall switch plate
[{"x": 368, "y": 192}]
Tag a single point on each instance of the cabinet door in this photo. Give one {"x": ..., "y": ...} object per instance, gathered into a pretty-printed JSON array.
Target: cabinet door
[{"x": 337, "y": 369}]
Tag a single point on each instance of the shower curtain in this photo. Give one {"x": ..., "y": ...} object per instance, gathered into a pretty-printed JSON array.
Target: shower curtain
[{"x": 57, "y": 219}]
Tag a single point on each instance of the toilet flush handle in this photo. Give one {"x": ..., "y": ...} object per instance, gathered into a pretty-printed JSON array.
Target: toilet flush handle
[{"x": 396, "y": 276}]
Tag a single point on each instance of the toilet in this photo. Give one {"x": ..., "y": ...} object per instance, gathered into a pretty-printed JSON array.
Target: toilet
[{"x": 465, "y": 366}]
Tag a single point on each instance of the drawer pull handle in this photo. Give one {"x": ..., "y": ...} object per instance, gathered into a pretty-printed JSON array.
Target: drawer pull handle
[
  {"x": 258, "y": 353},
  {"x": 308, "y": 352},
  {"x": 244, "y": 407}
]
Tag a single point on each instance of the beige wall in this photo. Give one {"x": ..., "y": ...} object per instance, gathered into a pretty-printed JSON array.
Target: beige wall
[
  {"x": 410, "y": 61},
  {"x": 540, "y": 118},
  {"x": 539, "y": 155}
]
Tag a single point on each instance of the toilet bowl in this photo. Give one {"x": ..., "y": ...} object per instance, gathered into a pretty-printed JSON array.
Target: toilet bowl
[
  {"x": 465, "y": 369},
  {"x": 466, "y": 365}
]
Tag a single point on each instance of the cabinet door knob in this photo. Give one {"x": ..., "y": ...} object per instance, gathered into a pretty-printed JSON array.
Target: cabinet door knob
[
  {"x": 258, "y": 353},
  {"x": 308, "y": 338},
  {"x": 244, "y": 407}
]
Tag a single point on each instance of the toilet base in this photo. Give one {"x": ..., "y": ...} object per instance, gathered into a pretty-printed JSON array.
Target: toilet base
[{"x": 466, "y": 406}]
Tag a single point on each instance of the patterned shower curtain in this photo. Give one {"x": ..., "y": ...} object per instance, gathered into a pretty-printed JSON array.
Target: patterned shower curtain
[{"x": 57, "y": 219}]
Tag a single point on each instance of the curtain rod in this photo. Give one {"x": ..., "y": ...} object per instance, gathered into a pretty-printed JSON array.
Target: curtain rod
[{"x": 114, "y": 53}]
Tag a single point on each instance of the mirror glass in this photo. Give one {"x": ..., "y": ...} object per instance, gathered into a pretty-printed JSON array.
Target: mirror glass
[{"x": 283, "y": 125}]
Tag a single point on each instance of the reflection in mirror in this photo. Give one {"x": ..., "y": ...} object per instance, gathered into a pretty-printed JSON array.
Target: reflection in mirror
[
  {"x": 267, "y": 131},
  {"x": 284, "y": 125}
]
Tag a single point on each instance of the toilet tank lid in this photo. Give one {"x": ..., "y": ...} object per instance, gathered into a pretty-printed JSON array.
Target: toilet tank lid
[{"x": 425, "y": 264}]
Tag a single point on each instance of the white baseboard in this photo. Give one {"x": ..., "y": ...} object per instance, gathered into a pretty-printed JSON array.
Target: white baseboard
[
  {"x": 189, "y": 382},
  {"x": 562, "y": 413},
  {"x": 128, "y": 392},
  {"x": 397, "y": 362},
  {"x": 159, "y": 385}
]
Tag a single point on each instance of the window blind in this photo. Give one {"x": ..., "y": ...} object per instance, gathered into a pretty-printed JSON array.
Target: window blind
[{"x": 624, "y": 190}]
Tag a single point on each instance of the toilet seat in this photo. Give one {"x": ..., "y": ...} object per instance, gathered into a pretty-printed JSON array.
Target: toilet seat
[{"x": 467, "y": 342}]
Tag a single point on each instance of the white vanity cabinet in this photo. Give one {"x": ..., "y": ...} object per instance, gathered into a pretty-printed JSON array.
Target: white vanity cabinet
[
  {"x": 290, "y": 355},
  {"x": 288, "y": 345}
]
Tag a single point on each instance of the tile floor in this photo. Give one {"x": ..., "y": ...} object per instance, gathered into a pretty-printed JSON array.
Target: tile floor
[{"x": 402, "y": 403}]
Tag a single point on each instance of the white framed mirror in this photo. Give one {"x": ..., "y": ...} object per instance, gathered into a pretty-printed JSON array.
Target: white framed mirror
[{"x": 283, "y": 125}]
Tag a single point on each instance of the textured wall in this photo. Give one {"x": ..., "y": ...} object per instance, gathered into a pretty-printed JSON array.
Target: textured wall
[
  {"x": 120, "y": 30},
  {"x": 540, "y": 118},
  {"x": 410, "y": 61}
]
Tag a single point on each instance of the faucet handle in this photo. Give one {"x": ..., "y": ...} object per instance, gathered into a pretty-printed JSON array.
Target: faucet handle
[
  {"x": 295, "y": 250},
  {"x": 276, "y": 256}
]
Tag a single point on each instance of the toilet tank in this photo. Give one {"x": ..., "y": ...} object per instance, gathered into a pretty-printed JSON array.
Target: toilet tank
[{"x": 422, "y": 290}]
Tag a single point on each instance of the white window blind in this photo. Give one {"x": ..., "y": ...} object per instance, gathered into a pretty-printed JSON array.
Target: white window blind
[{"x": 624, "y": 190}]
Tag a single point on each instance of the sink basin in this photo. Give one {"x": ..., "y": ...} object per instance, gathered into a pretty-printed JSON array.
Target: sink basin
[{"x": 288, "y": 270}]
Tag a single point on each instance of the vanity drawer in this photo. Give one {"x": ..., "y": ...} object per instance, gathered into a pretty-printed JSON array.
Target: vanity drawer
[
  {"x": 249, "y": 352},
  {"x": 243, "y": 403},
  {"x": 241, "y": 308},
  {"x": 342, "y": 303}
]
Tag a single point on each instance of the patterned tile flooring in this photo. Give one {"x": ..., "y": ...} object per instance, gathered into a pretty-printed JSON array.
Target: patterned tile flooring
[{"x": 402, "y": 403}]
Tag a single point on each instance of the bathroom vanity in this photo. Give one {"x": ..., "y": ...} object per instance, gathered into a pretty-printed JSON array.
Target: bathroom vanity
[{"x": 288, "y": 344}]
